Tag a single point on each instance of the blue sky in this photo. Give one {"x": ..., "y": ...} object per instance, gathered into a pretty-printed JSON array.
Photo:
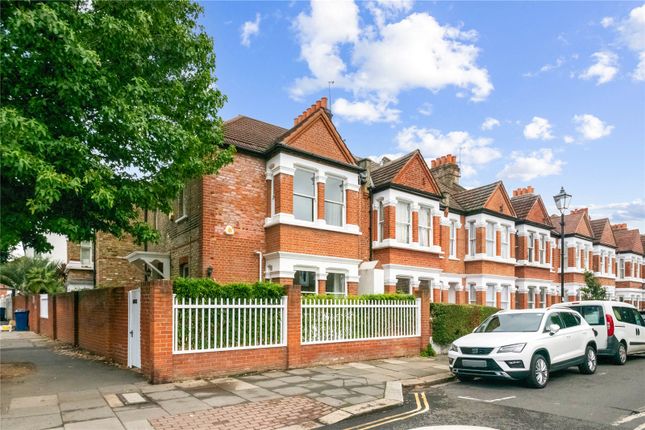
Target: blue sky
[{"x": 543, "y": 94}]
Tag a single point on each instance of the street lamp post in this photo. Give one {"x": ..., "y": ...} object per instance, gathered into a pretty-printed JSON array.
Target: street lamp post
[{"x": 562, "y": 200}]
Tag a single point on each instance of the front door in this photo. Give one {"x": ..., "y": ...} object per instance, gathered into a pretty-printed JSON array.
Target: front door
[{"x": 134, "y": 328}]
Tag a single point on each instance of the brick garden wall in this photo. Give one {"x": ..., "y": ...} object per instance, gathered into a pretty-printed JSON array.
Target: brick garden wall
[{"x": 65, "y": 318}]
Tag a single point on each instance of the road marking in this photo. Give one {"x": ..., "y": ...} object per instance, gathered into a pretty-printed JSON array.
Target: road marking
[
  {"x": 628, "y": 418},
  {"x": 640, "y": 427},
  {"x": 486, "y": 401},
  {"x": 403, "y": 416}
]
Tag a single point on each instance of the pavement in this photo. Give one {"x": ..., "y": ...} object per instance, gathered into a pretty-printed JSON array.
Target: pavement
[{"x": 70, "y": 392}]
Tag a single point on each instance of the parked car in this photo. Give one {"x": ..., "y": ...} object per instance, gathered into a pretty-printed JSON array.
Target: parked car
[
  {"x": 642, "y": 313},
  {"x": 525, "y": 345},
  {"x": 620, "y": 327}
]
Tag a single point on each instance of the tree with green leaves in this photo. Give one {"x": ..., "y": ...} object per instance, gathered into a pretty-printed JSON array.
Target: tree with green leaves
[
  {"x": 32, "y": 275},
  {"x": 592, "y": 289},
  {"x": 107, "y": 109}
]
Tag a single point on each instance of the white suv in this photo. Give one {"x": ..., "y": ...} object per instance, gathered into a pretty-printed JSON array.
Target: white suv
[
  {"x": 525, "y": 345},
  {"x": 619, "y": 326}
]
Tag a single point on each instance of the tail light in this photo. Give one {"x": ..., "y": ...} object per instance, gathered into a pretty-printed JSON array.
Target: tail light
[{"x": 610, "y": 325}]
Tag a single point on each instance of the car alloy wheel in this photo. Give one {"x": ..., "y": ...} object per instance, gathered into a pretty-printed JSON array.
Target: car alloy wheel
[
  {"x": 622, "y": 353},
  {"x": 591, "y": 359},
  {"x": 541, "y": 371}
]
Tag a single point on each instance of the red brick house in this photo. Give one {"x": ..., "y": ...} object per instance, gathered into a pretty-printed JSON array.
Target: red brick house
[
  {"x": 629, "y": 257},
  {"x": 604, "y": 255}
]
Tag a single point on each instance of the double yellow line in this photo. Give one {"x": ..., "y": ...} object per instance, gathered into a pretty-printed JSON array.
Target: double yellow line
[{"x": 422, "y": 407}]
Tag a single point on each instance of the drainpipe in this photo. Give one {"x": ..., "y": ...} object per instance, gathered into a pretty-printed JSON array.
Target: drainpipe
[
  {"x": 369, "y": 189},
  {"x": 259, "y": 253}
]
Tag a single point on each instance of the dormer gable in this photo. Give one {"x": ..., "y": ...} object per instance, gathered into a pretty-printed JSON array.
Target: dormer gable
[
  {"x": 499, "y": 201},
  {"x": 603, "y": 234},
  {"x": 416, "y": 174},
  {"x": 583, "y": 226},
  {"x": 315, "y": 133},
  {"x": 538, "y": 213}
]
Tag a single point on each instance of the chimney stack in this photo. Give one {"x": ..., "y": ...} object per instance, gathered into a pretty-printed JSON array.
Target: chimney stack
[
  {"x": 521, "y": 191},
  {"x": 445, "y": 170},
  {"x": 619, "y": 227},
  {"x": 320, "y": 104}
]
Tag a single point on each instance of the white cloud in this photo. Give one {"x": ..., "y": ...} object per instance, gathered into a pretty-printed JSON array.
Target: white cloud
[
  {"x": 425, "y": 109},
  {"x": 607, "y": 21},
  {"x": 629, "y": 212},
  {"x": 380, "y": 62},
  {"x": 546, "y": 68},
  {"x": 632, "y": 34},
  {"x": 568, "y": 139},
  {"x": 472, "y": 151},
  {"x": 490, "y": 123},
  {"x": 532, "y": 165},
  {"x": 591, "y": 127},
  {"x": 538, "y": 128},
  {"x": 604, "y": 69},
  {"x": 639, "y": 73},
  {"x": 379, "y": 158},
  {"x": 365, "y": 111},
  {"x": 248, "y": 29}
]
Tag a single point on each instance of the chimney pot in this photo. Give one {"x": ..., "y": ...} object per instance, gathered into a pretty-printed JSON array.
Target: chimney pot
[
  {"x": 530, "y": 189},
  {"x": 433, "y": 163},
  {"x": 323, "y": 102}
]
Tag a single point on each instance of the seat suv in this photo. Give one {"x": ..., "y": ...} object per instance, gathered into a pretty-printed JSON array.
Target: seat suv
[
  {"x": 525, "y": 345},
  {"x": 619, "y": 326}
]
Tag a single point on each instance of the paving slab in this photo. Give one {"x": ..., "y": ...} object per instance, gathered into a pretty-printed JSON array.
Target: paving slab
[
  {"x": 102, "y": 424},
  {"x": 336, "y": 392},
  {"x": 183, "y": 405},
  {"x": 275, "y": 374},
  {"x": 291, "y": 391},
  {"x": 354, "y": 400},
  {"x": 167, "y": 395},
  {"x": 114, "y": 389},
  {"x": 258, "y": 395},
  {"x": 87, "y": 414},
  {"x": 72, "y": 396},
  {"x": 149, "y": 388},
  {"x": 28, "y": 412},
  {"x": 141, "y": 414},
  {"x": 369, "y": 390},
  {"x": 133, "y": 398},
  {"x": 294, "y": 379},
  {"x": 334, "y": 417},
  {"x": 138, "y": 425},
  {"x": 113, "y": 400},
  {"x": 323, "y": 377},
  {"x": 191, "y": 383},
  {"x": 271, "y": 383},
  {"x": 235, "y": 385},
  {"x": 299, "y": 372},
  {"x": 92, "y": 402},
  {"x": 33, "y": 401},
  {"x": 219, "y": 401},
  {"x": 36, "y": 422},
  {"x": 331, "y": 401}
]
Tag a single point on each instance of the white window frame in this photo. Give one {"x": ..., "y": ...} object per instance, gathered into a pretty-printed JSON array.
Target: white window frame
[
  {"x": 184, "y": 267},
  {"x": 491, "y": 299},
  {"x": 309, "y": 270},
  {"x": 491, "y": 234},
  {"x": 344, "y": 292},
  {"x": 182, "y": 205},
  {"x": 602, "y": 262},
  {"x": 342, "y": 203},
  {"x": 578, "y": 261},
  {"x": 272, "y": 191},
  {"x": 621, "y": 268},
  {"x": 531, "y": 298},
  {"x": 472, "y": 239},
  {"x": 585, "y": 258},
  {"x": 472, "y": 294},
  {"x": 542, "y": 250},
  {"x": 314, "y": 198},
  {"x": 506, "y": 241},
  {"x": 425, "y": 231},
  {"x": 531, "y": 246},
  {"x": 88, "y": 246},
  {"x": 566, "y": 256},
  {"x": 453, "y": 239},
  {"x": 405, "y": 226},
  {"x": 543, "y": 297},
  {"x": 404, "y": 278},
  {"x": 381, "y": 221}
]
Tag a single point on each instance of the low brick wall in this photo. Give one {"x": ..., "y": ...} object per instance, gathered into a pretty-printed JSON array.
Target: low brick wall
[
  {"x": 343, "y": 352},
  {"x": 206, "y": 364}
]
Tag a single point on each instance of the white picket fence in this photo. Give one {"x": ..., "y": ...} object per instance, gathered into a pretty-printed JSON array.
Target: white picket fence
[
  {"x": 327, "y": 321},
  {"x": 205, "y": 325}
]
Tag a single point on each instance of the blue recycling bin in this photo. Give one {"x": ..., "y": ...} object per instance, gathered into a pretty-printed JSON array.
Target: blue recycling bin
[{"x": 22, "y": 320}]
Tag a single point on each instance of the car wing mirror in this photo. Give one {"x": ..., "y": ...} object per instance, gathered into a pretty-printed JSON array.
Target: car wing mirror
[
  {"x": 553, "y": 329},
  {"x": 595, "y": 333}
]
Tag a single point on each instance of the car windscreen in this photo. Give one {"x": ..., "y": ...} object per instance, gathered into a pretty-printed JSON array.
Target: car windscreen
[
  {"x": 512, "y": 322},
  {"x": 593, "y": 314}
]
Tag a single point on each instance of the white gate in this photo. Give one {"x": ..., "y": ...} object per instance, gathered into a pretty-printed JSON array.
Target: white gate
[{"x": 134, "y": 328}]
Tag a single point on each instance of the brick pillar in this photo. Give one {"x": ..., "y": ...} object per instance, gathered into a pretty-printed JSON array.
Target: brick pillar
[
  {"x": 415, "y": 226},
  {"x": 498, "y": 299},
  {"x": 538, "y": 303},
  {"x": 460, "y": 297},
  {"x": 322, "y": 286},
  {"x": 352, "y": 288},
  {"x": 512, "y": 245},
  {"x": 156, "y": 331},
  {"x": 52, "y": 315},
  {"x": 268, "y": 211},
  {"x": 498, "y": 244},
  {"x": 524, "y": 299},
  {"x": 480, "y": 297},
  {"x": 321, "y": 199},
  {"x": 436, "y": 230},
  {"x": 374, "y": 225},
  {"x": 389, "y": 230},
  {"x": 436, "y": 294},
  {"x": 389, "y": 289},
  {"x": 536, "y": 250},
  {"x": 444, "y": 296},
  {"x": 424, "y": 295},
  {"x": 293, "y": 325},
  {"x": 513, "y": 306},
  {"x": 480, "y": 234}
]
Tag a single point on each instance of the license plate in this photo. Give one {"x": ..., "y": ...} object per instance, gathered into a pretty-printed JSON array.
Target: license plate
[{"x": 473, "y": 363}]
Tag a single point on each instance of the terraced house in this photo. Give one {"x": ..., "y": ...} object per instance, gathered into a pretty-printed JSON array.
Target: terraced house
[{"x": 297, "y": 206}]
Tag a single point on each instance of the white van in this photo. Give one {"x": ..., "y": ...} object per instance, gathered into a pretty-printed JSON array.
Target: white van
[{"x": 619, "y": 326}]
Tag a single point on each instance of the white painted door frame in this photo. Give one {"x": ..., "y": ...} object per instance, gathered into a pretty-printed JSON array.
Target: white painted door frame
[{"x": 134, "y": 328}]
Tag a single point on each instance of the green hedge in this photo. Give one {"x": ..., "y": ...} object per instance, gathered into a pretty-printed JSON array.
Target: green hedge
[
  {"x": 209, "y": 289},
  {"x": 373, "y": 297},
  {"x": 450, "y": 322}
]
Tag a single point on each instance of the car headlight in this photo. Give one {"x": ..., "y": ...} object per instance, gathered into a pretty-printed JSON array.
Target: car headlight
[
  {"x": 516, "y": 347},
  {"x": 454, "y": 348}
]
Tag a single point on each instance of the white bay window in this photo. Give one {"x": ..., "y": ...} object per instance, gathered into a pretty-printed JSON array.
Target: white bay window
[
  {"x": 403, "y": 221},
  {"x": 304, "y": 195},
  {"x": 425, "y": 227},
  {"x": 334, "y": 201}
]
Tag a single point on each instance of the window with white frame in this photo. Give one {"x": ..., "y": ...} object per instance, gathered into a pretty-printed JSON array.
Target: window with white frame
[
  {"x": 531, "y": 297},
  {"x": 182, "y": 205},
  {"x": 542, "y": 248},
  {"x": 304, "y": 195},
  {"x": 334, "y": 201},
  {"x": 490, "y": 295},
  {"x": 184, "y": 270},
  {"x": 506, "y": 241},
  {"x": 553, "y": 251},
  {"x": 602, "y": 262},
  {"x": 585, "y": 255},
  {"x": 566, "y": 257},
  {"x": 272, "y": 191},
  {"x": 403, "y": 221},
  {"x": 472, "y": 294},
  {"x": 506, "y": 296},
  {"x": 490, "y": 239},
  {"x": 543, "y": 297},
  {"x": 335, "y": 284},
  {"x": 381, "y": 221},
  {"x": 403, "y": 286},
  {"x": 453, "y": 239},
  {"x": 306, "y": 280},
  {"x": 425, "y": 226},
  {"x": 531, "y": 244},
  {"x": 86, "y": 253},
  {"x": 577, "y": 257},
  {"x": 472, "y": 239}
]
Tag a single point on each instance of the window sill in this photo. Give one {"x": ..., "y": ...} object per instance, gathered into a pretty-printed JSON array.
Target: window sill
[
  {"x": 288, "y": 219},
  {"x": 484, "y": 257},
  {"x": 181, "y": 218},
  {"x": 393, "y": 243}
]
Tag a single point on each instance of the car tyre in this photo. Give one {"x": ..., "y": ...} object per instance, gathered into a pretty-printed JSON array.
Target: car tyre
[
  {"x": 590, "y": 363},
  {"x": 620, "y": 357},
  {"x": 465, "y": 378},
  {"x": 539, "y": 372}
]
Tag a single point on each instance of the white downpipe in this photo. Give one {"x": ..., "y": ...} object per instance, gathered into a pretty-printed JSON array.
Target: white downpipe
[{"x": 259, "y": 253}]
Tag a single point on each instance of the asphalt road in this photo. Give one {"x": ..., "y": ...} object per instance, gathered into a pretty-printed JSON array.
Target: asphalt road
[{"x": 612, "y": 398}]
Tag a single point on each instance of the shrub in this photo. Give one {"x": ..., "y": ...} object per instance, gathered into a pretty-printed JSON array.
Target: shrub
[
  {"x": 450, "y": 322},
  {"x": 428, "y": 351},
  {"x": 373, "y": 297},
  {"x": 198, "y": 288}
]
